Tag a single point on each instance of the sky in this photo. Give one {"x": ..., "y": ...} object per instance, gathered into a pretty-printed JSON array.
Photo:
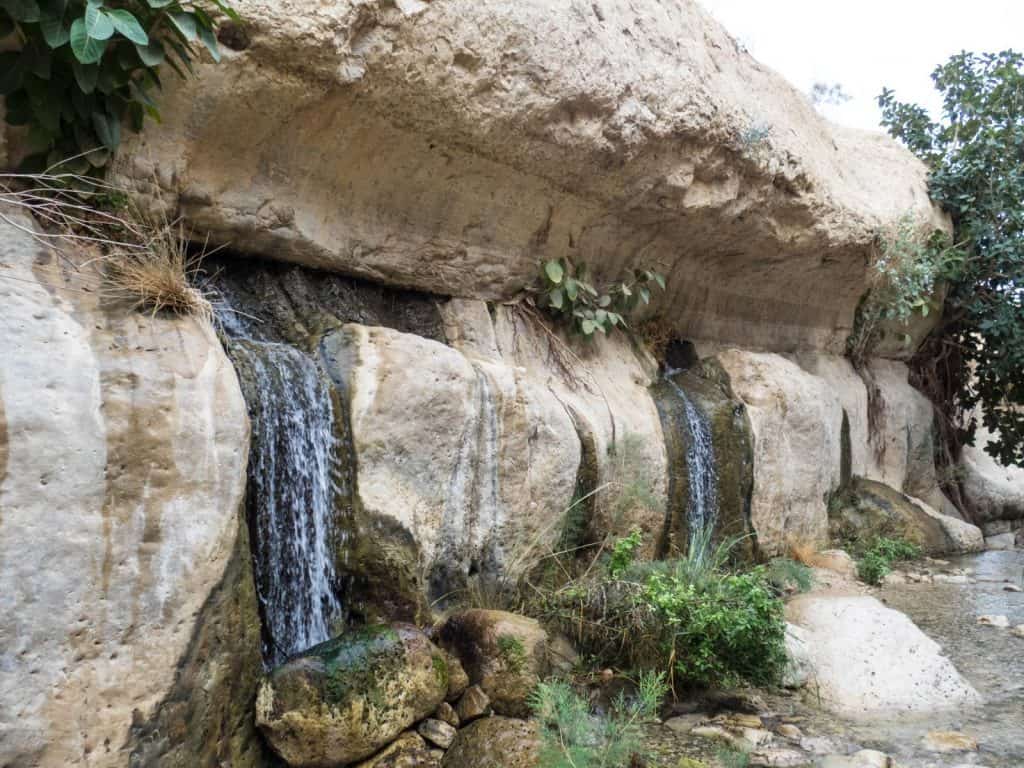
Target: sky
[{"x": 868, "y": 44}]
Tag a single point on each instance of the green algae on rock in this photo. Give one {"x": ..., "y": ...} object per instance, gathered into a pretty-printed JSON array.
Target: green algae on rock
[{"x": 344, "y": 699}]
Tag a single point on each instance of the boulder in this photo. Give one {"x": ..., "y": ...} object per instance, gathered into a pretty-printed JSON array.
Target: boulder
[
  {"x": 123, "y": 447},
  {"x": 866, "y": 508},
  {"x": 797, "y": 422},
  {"x": 342, "y": 700},
  {"x": 493, "y": 149},
  {"x": 505, "y": 654},
  {"x": 495, "y": 742},
  {"x": 869, "y": 660},
  {"x": 407, "y": 751},
  {"x": 993, "y": 491}
]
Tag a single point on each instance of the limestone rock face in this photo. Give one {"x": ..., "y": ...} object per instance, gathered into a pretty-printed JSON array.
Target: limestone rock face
[
  {"x": 995, "y": 492},
  {"x": 342, "y": 700},
  {"x": 470, "y": 457},
  {"x": 504, "y": 653},
  {"x": 457, "y": 143},
  {"x": 797, "y": 420},
  {"x": 868, "y": 659},
  {"x": 123, "y": 443},
  {"x": 495, "y": 742}
]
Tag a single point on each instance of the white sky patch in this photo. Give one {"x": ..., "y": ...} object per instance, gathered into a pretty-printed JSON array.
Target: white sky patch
[{"x": 870, "y": 44}]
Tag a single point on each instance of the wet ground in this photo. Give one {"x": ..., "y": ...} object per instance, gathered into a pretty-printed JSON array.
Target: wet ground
[{"x": 990, "y": 658}]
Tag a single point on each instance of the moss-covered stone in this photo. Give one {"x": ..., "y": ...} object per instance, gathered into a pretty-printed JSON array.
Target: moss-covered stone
[
  {"x": 206, "y": 721},
  {"x": 504, "y": 653},
  {"x": 342, "y": 700},
  {"x": 495, "y": 742}
]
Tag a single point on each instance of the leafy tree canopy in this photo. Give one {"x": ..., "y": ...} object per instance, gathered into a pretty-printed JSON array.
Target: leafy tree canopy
[{"x": 975, "y": 152}]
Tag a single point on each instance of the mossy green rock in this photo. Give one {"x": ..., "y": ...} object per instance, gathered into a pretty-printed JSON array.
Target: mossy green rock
[
  {"x": 495, "y": 742},
  {"x": 343, "y": 700},
  {"x": 504, "y": 653}
]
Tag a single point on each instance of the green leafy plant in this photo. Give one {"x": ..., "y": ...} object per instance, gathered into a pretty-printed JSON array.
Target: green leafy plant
[
  {"x": 730, "y": 757},
  {"x": 785, "y": 575},
  {"x": 83, "y": 67},
  {"x": 692, "y": 618},
  {"x": 624, "y": 553},
  {"x": 573, "y": 736},
  {"x": 975, "y": 154},
  {"x": 875, "y": 563},
  {"x": 567, "y": 292}
]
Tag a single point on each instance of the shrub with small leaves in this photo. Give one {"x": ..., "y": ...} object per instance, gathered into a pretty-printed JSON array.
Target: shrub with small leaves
[
  {"x": 567, "y": 292},
  {"x": 572, "y": 736},
  {"x": 81, "y": 68},
  {"x": 624, "y": 553},
  {"x": 876, "y": 562}
]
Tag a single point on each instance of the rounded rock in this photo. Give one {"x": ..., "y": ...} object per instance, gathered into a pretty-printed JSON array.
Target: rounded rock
[
  {"x": 344, "y": 699},
  {"x": 495, "y": 742}
]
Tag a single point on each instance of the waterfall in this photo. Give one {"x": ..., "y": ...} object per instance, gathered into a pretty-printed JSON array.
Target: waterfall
[
  {"x": 700, "y": 462},
  {"x": 290, "y": 494}
]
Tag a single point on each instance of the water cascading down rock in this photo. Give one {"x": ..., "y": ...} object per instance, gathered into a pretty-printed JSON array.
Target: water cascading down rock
[{"x": 290, "y": 499}]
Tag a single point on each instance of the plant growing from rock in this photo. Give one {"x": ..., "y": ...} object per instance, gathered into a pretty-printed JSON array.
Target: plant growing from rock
[
  {"x": 573, "y": 736},
  {"x": 875, "y": 563},
  {"x": 569, "y": 294},
  {"x": 82, "y": 67},
  {"x": 975, "y": 154}
]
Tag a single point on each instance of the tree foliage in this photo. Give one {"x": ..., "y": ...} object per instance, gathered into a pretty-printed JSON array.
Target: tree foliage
[
  {"x": 975, "y": 152},
  {"x": 80, "y": 68}
]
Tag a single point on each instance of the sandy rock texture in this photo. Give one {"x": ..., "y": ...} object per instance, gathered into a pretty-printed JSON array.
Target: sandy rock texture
[
  {"x": 451, "y": 145},
  {"x": 123, "y": 443},
  {"x": 866, "y": 659},
  {"x": 995, "y": 492}
]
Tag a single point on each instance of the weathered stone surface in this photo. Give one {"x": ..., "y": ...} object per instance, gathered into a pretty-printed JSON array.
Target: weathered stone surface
[
  {"x": 1001, "y": 541},
  {"x": 950, "y": 741},
  {"x": 495, "y": 742},
  {"x": 797, "y": 421},
  {"x": 437, "y": 732},
  {"x": 868, "y": 659},
  {"x": 866, "y": 508},
  {"x": 446, "y": 712},
  {"x": 456, "y": 166},
  {"x": 993, "y": 491},
  {"x": 473, "y": 704},
  {"x": 504, "y": 653},
  {"x": 458, "y": 680},
  {"x": 471, "y": 458},
  {"x": 123, "y": 442},
  {"x": 343, "y": 700},
  {"x": 407, "y": 751},
  {"x": 865, "y": 758}
]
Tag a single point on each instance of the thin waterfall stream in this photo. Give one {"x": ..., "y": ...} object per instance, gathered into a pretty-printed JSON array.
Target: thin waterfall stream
[
  {"x": 700, "y": 461},
  {"x": 290, "y": 495}
]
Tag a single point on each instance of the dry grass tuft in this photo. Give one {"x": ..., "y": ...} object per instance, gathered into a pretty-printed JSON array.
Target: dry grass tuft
[
  {"x": 146, "y": 261},
  {"x": 803, "y": 552},
  {"x": 160, "y": 277}
]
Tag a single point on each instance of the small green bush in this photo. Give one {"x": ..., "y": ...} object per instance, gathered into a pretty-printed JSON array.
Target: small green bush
[
  {"x": 82, "y": 67},
  {"x": 691, "y": 618},
  {"x": 785, "y": 574},
  {"x": 876, "y": 561},
  {"x": 730, "y": 757},
  {"x": 623, "y": 554},
  {"x": 567, "y": 292},
  {"x": 512, "y": 652},
  {"x": 573, "y": 736}
]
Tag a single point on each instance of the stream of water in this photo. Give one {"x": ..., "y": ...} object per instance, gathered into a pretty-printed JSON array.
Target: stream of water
[{"x": 700, "y": 462}]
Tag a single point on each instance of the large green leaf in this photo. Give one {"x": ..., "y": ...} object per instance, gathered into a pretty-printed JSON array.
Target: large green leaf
[
  {"x": 186, "y": 24},
  {"x": 87, "y": 50},
  {"x": 128, "y": 26},
  {"x": 104, "y": 130},
  {"x": 85, "y": 76},
  {"x": 228, "y": 10},
  {"x": 209, "y": 39},
  {"x": 21, "y": 10},
  {"x": 152, "y": 55},
  {"x": 55, "y": 32},
  {"x": 554, "y": 271},
  {"x": 98, "y": 25}
]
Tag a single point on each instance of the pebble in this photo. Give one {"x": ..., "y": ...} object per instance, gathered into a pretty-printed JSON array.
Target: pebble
[
  {"x": 446, "y": 712},
  {"x": 991, "y": 620},
  {"x": 473, "y": 704},
  {"x": 437, "y": 732}
]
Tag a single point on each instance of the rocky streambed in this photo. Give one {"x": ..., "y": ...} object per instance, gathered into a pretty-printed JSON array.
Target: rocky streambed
[{"x": 946, "y": 599}]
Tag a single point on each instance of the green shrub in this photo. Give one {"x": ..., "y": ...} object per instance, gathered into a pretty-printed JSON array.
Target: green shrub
[
  {"x": 730, "y": 757},
  {"x": 691, "y": 618},
  {"x": 83, "y": 67},
  {"x": 623, "y": 554},
  {"x": 512, "y": 652},
  {"x": 567, "y": 292},
  {"x": 784, "y": 574},
  {"x": 573, "y": 736},
  {"x": 876, "y": 561}
]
